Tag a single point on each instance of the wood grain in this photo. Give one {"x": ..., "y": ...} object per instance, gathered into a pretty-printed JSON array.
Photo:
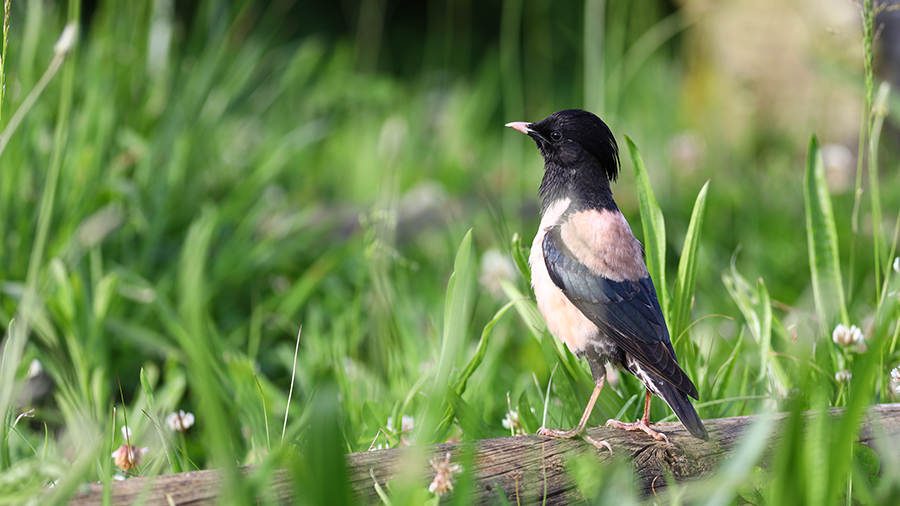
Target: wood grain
[{"x": 525, "y": 469}]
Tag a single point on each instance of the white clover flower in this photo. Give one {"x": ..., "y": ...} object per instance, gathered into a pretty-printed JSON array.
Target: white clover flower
[
  {"x": 843, "y": 376},
  {"x": 126, "y": 433},
  {"x": 847, "y": 337},
  {"x": 511, "y": 422},
  {"x": 180, "y": 421},
  {"x": 511, "y": 419},
  {"x": 443, "y": 478},
  {"x": 128, "y": 457},
  {"x": 407, "y": 423},
  {"x": 858, "y": 337},
  {"x": 895, "y": 379},
  {"x": 897, "y": 265}
]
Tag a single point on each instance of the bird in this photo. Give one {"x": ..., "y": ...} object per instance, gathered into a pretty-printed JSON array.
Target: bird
[{"x": 589, "y": 275}]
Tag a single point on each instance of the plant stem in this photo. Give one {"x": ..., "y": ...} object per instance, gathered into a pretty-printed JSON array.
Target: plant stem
[{"x": 594, "y": 25}]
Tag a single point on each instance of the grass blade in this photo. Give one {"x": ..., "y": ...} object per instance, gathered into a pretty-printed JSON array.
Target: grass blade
[
  {"x": 456, "y": 308},
  {"x": 756, "y": 306},
  {"x": 687, "y": 267},
  {"x": 459, "y": 385},
  {"x": 153, "y": 414},
  {"x": 654, "y": 229},
  {"x": 520, "y": 254},
  {"x": 738, "y": 469},
  {"x": 527, "y": 309},
  {"x": 765, "y": 334},
  {"x": 31, "y": 302},
  {"x": 879, "y": 112},
  {"x": 469, "y": 418},
  {"x": 464, "y": 375},
  {"x": 821, "y": 234},
  {"x": 594, "y": 32},
  {"x": 456, "y": 319},
  {"x": 724, "y": 374}
]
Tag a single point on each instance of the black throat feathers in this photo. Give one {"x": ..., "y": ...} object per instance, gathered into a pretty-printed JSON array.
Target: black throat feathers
[{"x": 583, "y": 182}]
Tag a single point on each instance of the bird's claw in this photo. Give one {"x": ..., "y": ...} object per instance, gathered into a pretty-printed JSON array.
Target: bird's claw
[
  {"x": 564, "y": 434},
  {"x": 597, "y": 444},
  {"x": 639, "y": 425},
  {"x": 569, "y": 434}
]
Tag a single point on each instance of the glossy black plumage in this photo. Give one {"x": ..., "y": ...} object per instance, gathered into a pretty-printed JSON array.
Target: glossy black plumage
[
  {"x": 628, "y": 311},
  {"x": 629, "y": 314},
  {"x": 588, "y": 270}
]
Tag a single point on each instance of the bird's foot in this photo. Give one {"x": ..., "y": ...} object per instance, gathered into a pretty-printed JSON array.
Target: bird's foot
[
  {"x": 564, "y": 434},
  {"x": 597, "y": 444},
  {"x": 576, "y": 432},
  {"x": 638, "y": 425}
]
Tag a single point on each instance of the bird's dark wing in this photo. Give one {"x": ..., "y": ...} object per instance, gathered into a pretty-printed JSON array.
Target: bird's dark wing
[{"x": 626, "y": 311}]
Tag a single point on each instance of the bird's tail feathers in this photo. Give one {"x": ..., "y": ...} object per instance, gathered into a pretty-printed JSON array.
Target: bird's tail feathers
[{"x": 683, "y": 409}]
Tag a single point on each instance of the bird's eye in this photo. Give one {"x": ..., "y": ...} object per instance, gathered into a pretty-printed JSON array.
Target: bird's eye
[{"x": 555, "y": 136}]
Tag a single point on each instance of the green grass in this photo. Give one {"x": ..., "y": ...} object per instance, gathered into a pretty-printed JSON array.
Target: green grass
[{"x": 169, "y": 221}]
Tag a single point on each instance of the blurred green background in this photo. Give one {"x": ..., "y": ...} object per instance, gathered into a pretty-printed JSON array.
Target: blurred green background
[{"x": 200, "y": 179}]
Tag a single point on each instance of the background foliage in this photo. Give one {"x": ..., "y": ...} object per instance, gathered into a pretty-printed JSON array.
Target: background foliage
[{"x": 189, "y": 184}]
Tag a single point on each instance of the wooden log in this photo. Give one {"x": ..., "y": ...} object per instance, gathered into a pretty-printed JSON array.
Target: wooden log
[{"x": 525, "y": 469}]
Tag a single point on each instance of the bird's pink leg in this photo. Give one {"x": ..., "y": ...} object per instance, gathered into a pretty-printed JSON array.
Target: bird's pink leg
[
  {"x": 642, "y": 424},
  {"x": 579, "y": 429}
]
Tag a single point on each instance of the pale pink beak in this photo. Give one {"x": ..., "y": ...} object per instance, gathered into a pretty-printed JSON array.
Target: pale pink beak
[{"x": 521, "y": 126}]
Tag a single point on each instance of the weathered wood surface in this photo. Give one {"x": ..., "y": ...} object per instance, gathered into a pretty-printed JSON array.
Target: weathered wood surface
[{"x": 526, "y": 469}]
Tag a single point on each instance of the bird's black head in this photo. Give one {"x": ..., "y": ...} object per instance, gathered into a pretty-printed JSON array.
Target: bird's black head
[
  {"x": 580, "y": 155},
  {"x": 566, "y": 137}
]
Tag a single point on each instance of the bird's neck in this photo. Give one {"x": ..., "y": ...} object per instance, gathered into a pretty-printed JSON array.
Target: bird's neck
[{"x": 587, "y": 187}]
